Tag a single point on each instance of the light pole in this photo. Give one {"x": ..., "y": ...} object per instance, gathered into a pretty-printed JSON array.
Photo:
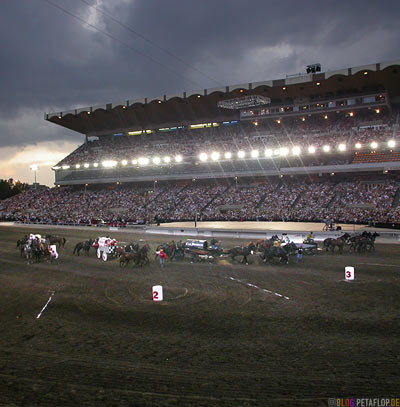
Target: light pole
[
  {"x": 34, "y": 168},
  {"x": 154, "y": 187}
]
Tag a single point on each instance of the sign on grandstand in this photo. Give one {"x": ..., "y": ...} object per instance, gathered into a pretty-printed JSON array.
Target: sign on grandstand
[{"x": 244, "y": 102}]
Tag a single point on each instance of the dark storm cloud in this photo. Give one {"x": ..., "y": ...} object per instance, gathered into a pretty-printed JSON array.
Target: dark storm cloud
[{"x": 52, "y": 62}]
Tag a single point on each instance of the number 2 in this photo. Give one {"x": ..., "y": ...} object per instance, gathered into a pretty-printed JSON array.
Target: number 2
[{"x": 155, "y": 295}]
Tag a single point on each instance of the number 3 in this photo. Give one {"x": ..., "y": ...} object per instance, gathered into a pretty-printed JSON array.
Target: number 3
[{"x": 348, "y": 274}]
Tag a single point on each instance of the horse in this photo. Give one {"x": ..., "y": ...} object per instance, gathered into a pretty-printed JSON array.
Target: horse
[
  {"x": 364, "y": 242},
  {"x": 262, "y": 244},
  {"x": 21, "y": 243},
  {"x": 56, "y": 239},
  {"x": 280, "y": 252},
  {"x": 331, "y": 243},
  {"x": 142, "y": 255},
  {"x": 85, "y": 246},
  {"x": 242, "y": 251}
]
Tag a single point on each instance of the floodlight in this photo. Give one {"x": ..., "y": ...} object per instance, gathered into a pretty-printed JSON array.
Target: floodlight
[
  {"x": 296, "y": 150},
  {"x": 241, "y": 154},
  {"x": 134, "y": 162},
  {"x": 215, "y": 156},
  {"x": 156, "y": 160},
  {"x": 167, "y": 159},
  {"x": 311, "y": 149},
  {"x": 391, "y": 143},
  {"x": 284, "y": 151},
  {"x": 77, "y": 166},
  {"x": 268, "y": 152},
  {"x": 34, "y": 167},
  {"x": 124, "y": 162},
  {"x": 203, "y": 157},
  {"x": 65, "y": 167},
  {"x": 358, "y": 146},
  {"x": 254, "y": 153},
  {"x": 326, "y": 148},
  {"x": 342, "y": 147},
  {"x": 374, "y": 144},
  {"x": 143, "y": 161},
  {"x": 86, "y": 165},
  {"x": 228, "y": 155},
  {"x": 178, "y": 158},
  {"x": 95, "y": 165},
  {"x": 277, "y": 151}
]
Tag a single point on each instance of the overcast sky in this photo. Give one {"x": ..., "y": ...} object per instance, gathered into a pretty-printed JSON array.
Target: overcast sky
[{"x": 52, "y": 60}]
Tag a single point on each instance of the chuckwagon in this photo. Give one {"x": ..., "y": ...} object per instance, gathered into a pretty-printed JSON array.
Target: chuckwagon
[{"x": 105, "y": 247}]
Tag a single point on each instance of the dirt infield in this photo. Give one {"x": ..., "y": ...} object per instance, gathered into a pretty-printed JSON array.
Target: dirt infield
[{"x": 214, "y": 341}]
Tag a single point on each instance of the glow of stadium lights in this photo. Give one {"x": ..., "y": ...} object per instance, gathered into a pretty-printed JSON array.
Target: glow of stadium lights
[
  {"x": 124, "y": 162},
  {"x": 255, "y": 123},
  {"x": 284, "y": 151},
  {"x": 326, "y": 149},
  {"x": 228, "y": 155},
  {"x": 56, "y": 168},
  {"x": 377, "y": 111},
  {"x": 341, "y": 147},
  {"x": 326, "y": 117},
  {"x": 159, "y": 101},
  {"x": 215, "y": 156},
  {"x": 278, "y": 121},
  {"x": 254, "y": 154},
  {"x": 374, "y": 144},
  {"x": 167, "y": 159},
  {"x": 109, "y": 164},
  {"x": 60, "y": 117},
  {"x": 203, "y": 157},
  {"x": 351, "y": 114},
  {"x": 95, "y": 165},
  {"x": 358, "y": 146},
  {"x": 284, "y": 88},
  {"x": 303, "y": 119},
  {"x": 156, "y": 160},
  {"x": 86, "y": 165},
  {"x": 198, "y": 96},
  {"x": 318, "y": 83},
  {"x": 77, "y": 166},
  {"x": 296, "y": 150},
  {"x": 365, "y": 73},
  {"x": 65, "y": 167},
  {"x": 268, "y": 152},
  {"x": 178, "y": 158},
  {"x": 134, "y": 162},
  {"x": 311, "y": 149},
  {"x": 391, "y": 143},
  {"x": 277, "y": 151},
  {"x": 143, "y": 161},
  {"x": 241, "y": 154},
  {"x": 88, "y": 112}
]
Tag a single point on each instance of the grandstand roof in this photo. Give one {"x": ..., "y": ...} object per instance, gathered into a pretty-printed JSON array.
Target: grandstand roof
[{"x": 201, "y": 106}]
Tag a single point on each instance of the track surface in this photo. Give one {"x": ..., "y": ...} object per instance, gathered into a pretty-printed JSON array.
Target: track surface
[{"x": 214, "y": 341}]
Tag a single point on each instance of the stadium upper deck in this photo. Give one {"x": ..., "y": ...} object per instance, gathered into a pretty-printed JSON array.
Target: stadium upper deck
[{"x": 348, "y": 113}]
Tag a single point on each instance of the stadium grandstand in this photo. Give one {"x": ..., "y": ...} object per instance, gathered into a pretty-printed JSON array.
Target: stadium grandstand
[{"x": 305, "y": 148}]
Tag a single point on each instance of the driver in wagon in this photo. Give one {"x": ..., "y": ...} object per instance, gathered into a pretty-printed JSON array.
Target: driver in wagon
[{"x": 214, "y": 244}]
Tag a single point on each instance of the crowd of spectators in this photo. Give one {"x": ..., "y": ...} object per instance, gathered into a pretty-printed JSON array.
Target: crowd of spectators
[
  {"x": 353, "y": 200},
  {"x": 245, "y": 136}
]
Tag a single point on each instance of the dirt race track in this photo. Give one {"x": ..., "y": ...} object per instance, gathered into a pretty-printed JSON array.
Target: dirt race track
[{"x": 214, "y": 341}]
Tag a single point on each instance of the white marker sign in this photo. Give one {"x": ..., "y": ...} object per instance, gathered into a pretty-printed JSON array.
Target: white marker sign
[
  {"x": 157, "y": 293},
  {"x": 349, "y": 273}
]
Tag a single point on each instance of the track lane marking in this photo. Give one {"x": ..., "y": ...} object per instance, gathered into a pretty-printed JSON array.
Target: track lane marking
[{"x": 258, "y": 288}]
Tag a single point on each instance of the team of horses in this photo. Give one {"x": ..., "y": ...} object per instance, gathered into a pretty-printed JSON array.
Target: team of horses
[{"x": 35, "y": 250}]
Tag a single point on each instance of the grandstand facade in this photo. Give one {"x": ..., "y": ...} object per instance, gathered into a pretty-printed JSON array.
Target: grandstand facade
[{"x": 335, "y": 122}]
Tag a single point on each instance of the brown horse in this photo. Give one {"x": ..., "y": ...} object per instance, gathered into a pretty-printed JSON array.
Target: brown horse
[
  {"x": 56, "y": 240},
  {"x": 331, "y": 243}
]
